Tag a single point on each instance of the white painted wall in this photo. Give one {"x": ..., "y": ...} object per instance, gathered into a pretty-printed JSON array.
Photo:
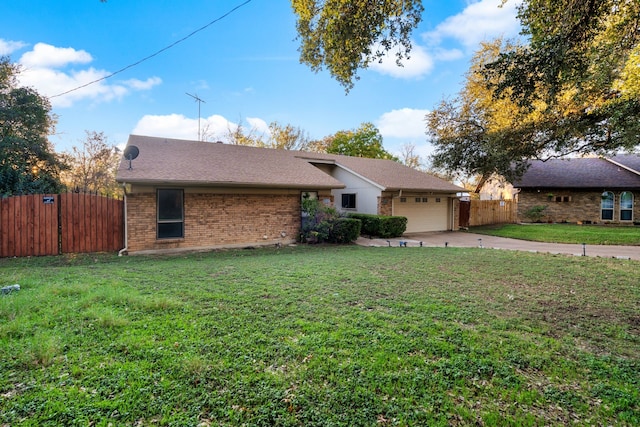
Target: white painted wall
[{"x": 366, "y": 193}]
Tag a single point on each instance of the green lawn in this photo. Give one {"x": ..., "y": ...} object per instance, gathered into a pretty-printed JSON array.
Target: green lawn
[
  {"x": 321, "y": 336},
  {"x": 566, "y": 233}
]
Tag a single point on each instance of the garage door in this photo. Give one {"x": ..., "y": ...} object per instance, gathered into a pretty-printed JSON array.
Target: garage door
[{"x": 423, "y": 213}]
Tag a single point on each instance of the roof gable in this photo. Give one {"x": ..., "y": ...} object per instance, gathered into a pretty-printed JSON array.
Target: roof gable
[{"x": 388, "y": 175}]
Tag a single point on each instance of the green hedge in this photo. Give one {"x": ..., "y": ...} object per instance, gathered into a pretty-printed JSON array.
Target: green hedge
[
  {"x": 381, "y": 226},
  {"x": 344, "y": 230}
]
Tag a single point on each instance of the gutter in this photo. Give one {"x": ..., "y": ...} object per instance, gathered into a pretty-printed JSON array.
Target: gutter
[{"x": 126, "y": 228}]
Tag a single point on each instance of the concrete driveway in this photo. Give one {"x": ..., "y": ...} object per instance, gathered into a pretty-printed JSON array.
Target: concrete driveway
[{"x": 463, "y": 239}]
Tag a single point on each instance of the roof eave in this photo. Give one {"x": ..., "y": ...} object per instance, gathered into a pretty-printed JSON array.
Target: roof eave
[{"x": 226, "y": 184}]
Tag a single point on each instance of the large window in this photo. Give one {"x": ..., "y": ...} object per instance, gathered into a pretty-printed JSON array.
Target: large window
[
  {"x": 349, "y": 201},
  {"x": 606, "y": 206},
  {"x": 170, "y": 214},
  {"x": 626, "y": 206}
]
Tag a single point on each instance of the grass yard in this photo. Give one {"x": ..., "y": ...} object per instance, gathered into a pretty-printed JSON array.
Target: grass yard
[
  {"x": 321, "y": 336},
  {"x": 566, "y": 233}
]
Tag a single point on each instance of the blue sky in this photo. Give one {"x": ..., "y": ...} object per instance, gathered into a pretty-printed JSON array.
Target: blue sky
[{"x": 245, "y": 67}]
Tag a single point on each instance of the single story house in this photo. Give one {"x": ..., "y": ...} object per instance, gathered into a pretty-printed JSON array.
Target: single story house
[
  {"x": 585, "y": 190},
  {"x": 199, "y": 195}
]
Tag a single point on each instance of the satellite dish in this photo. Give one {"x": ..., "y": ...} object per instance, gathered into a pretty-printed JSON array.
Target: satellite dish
[{"x": 130, "y": 153}]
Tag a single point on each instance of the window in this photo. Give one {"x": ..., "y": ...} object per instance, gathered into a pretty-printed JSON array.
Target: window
[
  {"x": 349, "y": 201},
  {"x": 170, "y": 214},
  {"x": 403, "y": 200},
  {"x": 606, "y": 205},
  {"x": 563, "y": 199},
  {"x": 425, "y": 200},
  {"x": 438, "y": 200},
  {"x": 626, "y": 206},
  {"x": 418, "y": 199}
]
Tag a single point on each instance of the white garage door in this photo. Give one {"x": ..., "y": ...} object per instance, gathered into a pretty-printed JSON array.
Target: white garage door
[{"x": 423, "y": 213}]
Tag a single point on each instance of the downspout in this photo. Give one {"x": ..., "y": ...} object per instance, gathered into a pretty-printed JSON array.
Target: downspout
[
  {"x": 126, "y": 228},
  {"x": 453, "y": 216},
  {"x": 393, "y": 205}
]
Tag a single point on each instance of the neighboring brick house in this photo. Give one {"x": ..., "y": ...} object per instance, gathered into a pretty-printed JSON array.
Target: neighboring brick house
[
  {"x": 585, "y": 190},
  {"x": 199, "y": 195}
]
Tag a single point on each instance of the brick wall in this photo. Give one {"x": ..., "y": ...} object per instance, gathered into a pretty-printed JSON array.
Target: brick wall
[
  {"x": 581, "y": 205},
  {"x": 216, "y": 220},
  {"x": 385, "y": 205}
]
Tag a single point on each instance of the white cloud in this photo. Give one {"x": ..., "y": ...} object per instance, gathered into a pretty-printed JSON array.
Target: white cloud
[
  {"x": 419, "y": 64},
  {"x": 258, "y": 125},
  {"x": 7, "y": 47},
  {"x": 143, "y": 84},
  {"x": 479, "y": 21},
  {"x": 403, "y": 123},
  {"x": 178, "y": 126},
  {"x": 47, "y": 56},
  {"x": 46, "y": 70}
]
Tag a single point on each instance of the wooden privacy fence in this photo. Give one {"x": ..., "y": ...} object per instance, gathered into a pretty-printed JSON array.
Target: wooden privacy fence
[
  {"x": 53, "y": 224},
  {"x": 486, "y": 212}
]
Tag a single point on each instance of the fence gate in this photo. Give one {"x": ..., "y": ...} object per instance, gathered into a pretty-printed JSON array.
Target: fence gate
[
  {"x": 52, "y": 224},
  {"x": 464, "y": 214}
]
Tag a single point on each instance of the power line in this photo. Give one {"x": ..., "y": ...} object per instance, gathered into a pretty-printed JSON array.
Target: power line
[{"x": 156, "y": 53}]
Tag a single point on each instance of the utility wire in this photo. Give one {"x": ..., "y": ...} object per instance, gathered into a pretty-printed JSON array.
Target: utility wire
[{"x": 156, "y": 53}]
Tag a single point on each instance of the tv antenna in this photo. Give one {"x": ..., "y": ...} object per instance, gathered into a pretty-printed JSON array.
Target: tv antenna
[{"x": 199, "y": 101}]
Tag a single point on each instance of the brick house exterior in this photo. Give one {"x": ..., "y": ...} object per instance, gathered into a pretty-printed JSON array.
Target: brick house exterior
[
  {"x": 582, "y": 190},
  {"x": 198, "y": 195}
]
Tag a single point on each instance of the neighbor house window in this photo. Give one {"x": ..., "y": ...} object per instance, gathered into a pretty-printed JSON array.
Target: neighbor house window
[
  {"x": 170, "y": 214},
  {"x": 606, "y": 205},
  {"x": 349, "y": 201},
  {"x": 626, "y": 206}
]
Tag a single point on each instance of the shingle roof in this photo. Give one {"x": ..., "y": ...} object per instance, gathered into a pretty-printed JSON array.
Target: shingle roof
[
  {"x": 387, "y": 174},
  {"x": 630, "y": 161},
  {"x": 173, "y": 161},
  {"x": 180, "y": 162},
  {"x": 586, "y": 173}
]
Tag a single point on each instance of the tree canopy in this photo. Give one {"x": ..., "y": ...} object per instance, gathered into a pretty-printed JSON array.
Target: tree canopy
[
  {"x": 28, "y": 163},
  {"x": 365, "y": 141},
  {"x": 93, "y": 166},
  {"x": 573, "y": 89},
  {"x": 346, "y": 35}
]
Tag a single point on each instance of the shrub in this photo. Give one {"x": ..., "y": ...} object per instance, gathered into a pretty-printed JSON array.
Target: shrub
[
  {"x": 382, "y": 226},
  {"x": 345, "y": 230},
  {"x": 323, "y": 224},
  {"x": 535, "y": 213}
]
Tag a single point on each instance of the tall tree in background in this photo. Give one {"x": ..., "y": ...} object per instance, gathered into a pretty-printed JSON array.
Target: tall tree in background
[
  {"x": 365, "y": 141},
  {"x": 28, "y": 163},
  {"x": 287, "y": 137},
  {"x": 93, "y": 166},
  {"x": 579, "y": 70},
  {"x": 477, "y": 134},
  {"x": 572, "y": 90},
  {"x": 409, "y": 157},
  {"x": 346, "y": 35}
]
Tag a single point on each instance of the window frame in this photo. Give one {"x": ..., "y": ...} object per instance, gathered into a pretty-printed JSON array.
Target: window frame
[
  {"x": 610, "y": 199},
  {"x": 628, "y": 208},
  {"x": 161, "y": 220},
  {"x": 350, "y": 197}
]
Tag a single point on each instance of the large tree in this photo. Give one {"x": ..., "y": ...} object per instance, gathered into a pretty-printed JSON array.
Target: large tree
[
  {"x": 346, "y": 35},
  {"x": 28, "y": 163},
  {"x": 365, "y": 141},
  {"x": 579, "y": 69},
  {"x": 572, "y": 89},
  {"x": 93, "y": 166},
  {"x": 477, "y": 134}
]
